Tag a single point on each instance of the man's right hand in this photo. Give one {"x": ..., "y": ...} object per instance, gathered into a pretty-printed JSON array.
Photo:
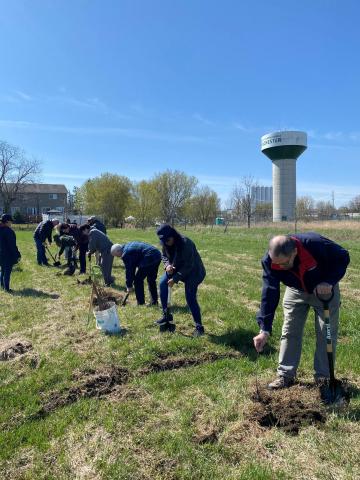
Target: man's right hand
[
  {"x": 170, "y": 269},
  {"x": 260, "y": 341}
]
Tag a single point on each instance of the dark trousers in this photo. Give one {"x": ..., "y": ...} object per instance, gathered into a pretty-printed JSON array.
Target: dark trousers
[
  {"x": 40, "y": 252},
  {"x": 150, "y": 273},
  {"x": 5, "y": 276},
  {"x": 82, "y": 256},
  {"x": 190, "y": 295}
]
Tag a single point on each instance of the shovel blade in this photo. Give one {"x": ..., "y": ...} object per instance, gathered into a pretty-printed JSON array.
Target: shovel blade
[{"x": 334, "y": 393}]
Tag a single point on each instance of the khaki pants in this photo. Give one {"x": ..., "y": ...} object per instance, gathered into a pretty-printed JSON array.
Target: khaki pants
[{"x": 297, "y": 304}]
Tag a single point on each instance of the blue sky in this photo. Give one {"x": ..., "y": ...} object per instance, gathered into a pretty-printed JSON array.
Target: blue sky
[{"x": 138, "y": 86}]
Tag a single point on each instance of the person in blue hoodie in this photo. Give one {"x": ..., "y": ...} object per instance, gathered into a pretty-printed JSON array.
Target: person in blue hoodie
[
  {"x": 182, "y": 263},
  {"x": 309, "y": 265},
  {"x": 9, "y": 253},
  {"x": 141, "y": 261}
]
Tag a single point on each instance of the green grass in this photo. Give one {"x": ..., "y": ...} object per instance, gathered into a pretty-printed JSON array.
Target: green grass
[{"x": 150, "y": 430}]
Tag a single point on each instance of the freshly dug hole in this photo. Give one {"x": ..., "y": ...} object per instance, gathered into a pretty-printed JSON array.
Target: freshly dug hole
[
  {"x": 288, "y": 409},
  {"x": 173, "y": 363},
  {"x": 14, "y": 348},
  {"x": 94, "y": 383}
]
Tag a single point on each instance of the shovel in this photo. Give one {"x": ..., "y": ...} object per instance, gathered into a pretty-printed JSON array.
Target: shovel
[
  {"x": 333, "y": 391},
  {"x": 56, "y": 262}
]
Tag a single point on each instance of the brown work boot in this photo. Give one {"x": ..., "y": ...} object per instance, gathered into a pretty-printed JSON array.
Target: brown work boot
[{"x": 281, "y": 382}]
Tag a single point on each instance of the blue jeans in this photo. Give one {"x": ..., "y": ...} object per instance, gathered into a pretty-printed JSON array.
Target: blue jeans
[
  {"x": 190, "y": 295},
  {"x": 40, "y": 252},
  {"x": 5, "y": 276}
]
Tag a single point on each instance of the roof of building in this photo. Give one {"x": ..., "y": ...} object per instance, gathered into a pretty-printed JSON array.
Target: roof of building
[{"x": 43, "y": 188}]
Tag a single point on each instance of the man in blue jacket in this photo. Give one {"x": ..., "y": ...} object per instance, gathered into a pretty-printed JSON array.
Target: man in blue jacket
[
  {"x": 42, "y": 234},
  {"x": 141, "y": 261},
  {"x": 9, "y": 253},
  {"x": 308, "y": 264}
]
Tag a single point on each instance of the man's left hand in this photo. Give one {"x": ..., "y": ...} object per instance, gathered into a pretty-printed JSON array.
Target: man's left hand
[
  {"x": 323, "y": 288},
  {"x": 171, "y": 282}
]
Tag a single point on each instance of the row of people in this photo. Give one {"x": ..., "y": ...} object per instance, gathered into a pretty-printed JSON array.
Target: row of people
[{"x": 308, "y": 265}]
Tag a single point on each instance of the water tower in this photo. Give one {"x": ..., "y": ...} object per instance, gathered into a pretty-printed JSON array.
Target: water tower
[{"x": 283, "y": 149}]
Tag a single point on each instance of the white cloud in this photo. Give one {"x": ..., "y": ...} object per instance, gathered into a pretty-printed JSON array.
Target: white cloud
[
  {"x": 125, "y": 132},
  {"x": 202, "y": 119}
]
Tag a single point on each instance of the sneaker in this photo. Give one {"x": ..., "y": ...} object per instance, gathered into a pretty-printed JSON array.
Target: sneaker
[
  {"x": 281, "y": 382},
  {"x": 165, "y": 319},
  {"x": 198, "y": 332}
]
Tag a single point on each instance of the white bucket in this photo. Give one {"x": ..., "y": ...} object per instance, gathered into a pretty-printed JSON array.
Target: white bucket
[{"x": 108, "y": 320}]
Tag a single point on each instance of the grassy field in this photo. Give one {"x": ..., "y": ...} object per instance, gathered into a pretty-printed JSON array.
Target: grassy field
[{"x": 82, "y": 405}]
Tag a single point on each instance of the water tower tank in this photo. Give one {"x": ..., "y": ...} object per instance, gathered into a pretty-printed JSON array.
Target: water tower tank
[{"x": 283, "y": 149}]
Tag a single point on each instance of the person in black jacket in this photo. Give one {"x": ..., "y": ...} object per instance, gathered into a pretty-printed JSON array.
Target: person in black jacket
[
  {"x": 42, "y": 233},
  {"x": 309, "y": 265},
  {"x": 182, "y": 264},
  {"x": 95, "y": 222},
  {"x": 9, "y": 253}
]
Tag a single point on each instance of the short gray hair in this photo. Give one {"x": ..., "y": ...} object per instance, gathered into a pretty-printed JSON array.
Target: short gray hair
[
  {"x": 282, "y": 246},
  {"x": 116, "y": 250}
]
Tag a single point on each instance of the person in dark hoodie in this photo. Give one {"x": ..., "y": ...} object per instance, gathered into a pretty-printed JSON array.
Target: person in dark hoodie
[
  {"x": 141, "y": 261},
  {"x": 182, "y": 264},
  {"x": 42, "y": 234},
  {"x": 309, "y": 265},
  {"x": 9, "y": 253},
  {"x": 81, "y": 242}
]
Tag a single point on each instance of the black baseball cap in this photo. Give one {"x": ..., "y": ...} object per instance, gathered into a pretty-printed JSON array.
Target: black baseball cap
[{"x": 6, "y": 218}]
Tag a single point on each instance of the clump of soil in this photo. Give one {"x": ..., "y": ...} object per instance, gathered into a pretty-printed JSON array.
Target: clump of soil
[
  {"x": 288, "y": 409},
  {"x": 14, "y": 348},
  {"x": 209, "y": 436},
  {"x": 86, "y": 281},
  {"x": 173, "y": 363},
  {"x": 93, "y": 383},
  {"x": 109, "y": 295}
]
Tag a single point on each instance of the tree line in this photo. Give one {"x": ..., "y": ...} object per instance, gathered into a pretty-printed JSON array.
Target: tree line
[{"x": 170, "y": 196}]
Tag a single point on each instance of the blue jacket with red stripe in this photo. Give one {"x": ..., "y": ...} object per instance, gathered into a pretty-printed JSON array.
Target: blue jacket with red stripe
[{"x": 318, "y": 260}]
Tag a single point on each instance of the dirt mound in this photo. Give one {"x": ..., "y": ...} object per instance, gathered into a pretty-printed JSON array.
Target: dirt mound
[
  {"x": 110, "y": 295},
  {"x": 209, "y": 436},
  {"x": 173, "y": 363},
  {"x": 86, "y": 281},
  {"x": 14, "y": 348},
  {"x": 288, "y": 409},
  {"x": 93, "y": 383}
]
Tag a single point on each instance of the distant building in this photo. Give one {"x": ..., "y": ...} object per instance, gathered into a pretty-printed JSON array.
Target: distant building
[
  {"x": 261, "y": 195},
  {"x": 38, "y": 198}
]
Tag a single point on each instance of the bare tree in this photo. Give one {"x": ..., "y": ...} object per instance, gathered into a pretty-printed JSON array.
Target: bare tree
[
  {"x": 174, "y": 189},
  {"x": 354, "y": 204},
  {"x": 16, "y": 170},
  {"x": 325, "y": 210},
  {"x": 242, "y": 198},
  {"x": 304, "y": 208}
]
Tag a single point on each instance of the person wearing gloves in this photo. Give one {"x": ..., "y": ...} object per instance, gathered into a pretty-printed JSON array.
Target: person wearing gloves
[
  {"x": 141, "y": 261},
  {"x": 309, "y": 265},
  {"x": 9, "y": 253},
  {"x": 182, "y": 263},
  {"x": 99, "y": 242},
  {"x": 42, "y": 234}
]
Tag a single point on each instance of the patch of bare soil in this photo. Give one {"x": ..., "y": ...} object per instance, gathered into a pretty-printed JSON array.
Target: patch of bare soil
[
  {"x": 14, "y": 348},
  {"x": 110, "y": 295},
  {"x": 173, "y": 363},
  {"x": 93, "y": 383},
  {"x": 210, "y": 435},
  {"x": 288, "y": 409}
]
